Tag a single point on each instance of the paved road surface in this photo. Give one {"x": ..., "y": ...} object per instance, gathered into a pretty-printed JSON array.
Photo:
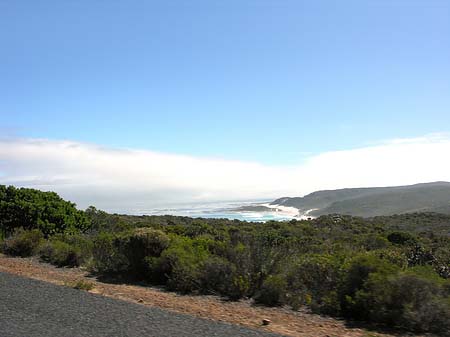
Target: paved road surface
[{"x": 30, "y": 308}]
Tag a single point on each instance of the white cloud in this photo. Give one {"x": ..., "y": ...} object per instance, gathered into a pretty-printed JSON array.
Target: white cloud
[{"x": 124, "y": 179}]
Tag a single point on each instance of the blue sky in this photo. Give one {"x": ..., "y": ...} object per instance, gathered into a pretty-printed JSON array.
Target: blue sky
[
  {"x": 265, "y": 81},
  {"x": 138, "y": 104}
]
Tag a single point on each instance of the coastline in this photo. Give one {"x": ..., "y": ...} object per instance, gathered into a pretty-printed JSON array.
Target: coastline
[
  {"x": 290, "y": 211},
  {"x": 245, "y": 211}
]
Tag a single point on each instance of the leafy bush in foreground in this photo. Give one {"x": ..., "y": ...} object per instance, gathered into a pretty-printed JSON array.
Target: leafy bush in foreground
[
  {"x": 179, "y": 265},
  {"x": 23, "y": 243},
  {"x": 60, "y": 254},
  {"x": 357, "y": 274},
  {"x": 216, "y": 276},
  {"x": 273, "y": 291},
  {"x": 415, "y": 300},
  {"x": 66, "y": 250},
  {"x": 107, "y": 257},
  {"x": 139, "y": 244},
  {"x": 407, "y": 300},
  {"x": 313, "y": 281},
  {"x": 32, "y": 209},
  {"x": 127, "y": 252}
]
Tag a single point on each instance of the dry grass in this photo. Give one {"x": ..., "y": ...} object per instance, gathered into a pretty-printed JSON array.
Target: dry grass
[{"x": 80, "y": 284}]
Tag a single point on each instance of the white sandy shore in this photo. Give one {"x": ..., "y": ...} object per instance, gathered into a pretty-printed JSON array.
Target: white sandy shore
[
  {"x": 290, "y": 211},
  {"x": 284, "y": 210},
  {"x": 306, "y": 214}
]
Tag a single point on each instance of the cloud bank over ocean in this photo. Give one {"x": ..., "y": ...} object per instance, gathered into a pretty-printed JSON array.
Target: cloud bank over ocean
[{"x": 119, "y": 179}]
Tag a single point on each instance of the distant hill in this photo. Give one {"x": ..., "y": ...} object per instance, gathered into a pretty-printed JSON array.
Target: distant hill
[{"x": 375, "y": 201}]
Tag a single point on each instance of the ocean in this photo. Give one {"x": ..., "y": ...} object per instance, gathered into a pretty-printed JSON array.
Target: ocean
[{"x": 219, "y": 210}]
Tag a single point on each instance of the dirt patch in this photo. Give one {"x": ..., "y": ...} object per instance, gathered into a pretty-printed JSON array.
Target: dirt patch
[{"x": 283, "y": 321}]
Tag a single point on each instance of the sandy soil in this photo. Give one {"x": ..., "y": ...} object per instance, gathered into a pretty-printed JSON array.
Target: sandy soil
[{"x": 283, "y": 321}]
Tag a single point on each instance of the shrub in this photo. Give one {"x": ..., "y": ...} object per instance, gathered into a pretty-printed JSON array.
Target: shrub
[
  {"x": 216, "y": 276},
  {"x": 159, "y": 269},
  {"x": 32, "y": 209},
  {"x": 23, "y": 243},
  {"x": 313, "y": 281},
  {"x": 61, "y": 254},
  {"x": 139, "y": 244},
  {"x": 179, "y": 265},
  {"x": 240, "y": 287},
  {"x": 107, "y": 257},
  {"x": 81, "y": 285},
  {"x": 66, "y": 250},
  {"x": 128, "y": 252},
  {"x": 273, "y": 291},
  {"x": 358, "y": 272},
  {"x": 413, "y": 300},
  {"x": 420, "y": 256},
  {"x": 371, "y": 242},
  {"x": 184, "y": 278},
  {"x": 401, "y": 238},
  {"x": 394, "y": 255},
  {"x": 378, "y": 291}
]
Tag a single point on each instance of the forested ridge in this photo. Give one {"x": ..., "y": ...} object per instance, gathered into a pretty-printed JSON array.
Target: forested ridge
[{"x": 390, "y": 270}]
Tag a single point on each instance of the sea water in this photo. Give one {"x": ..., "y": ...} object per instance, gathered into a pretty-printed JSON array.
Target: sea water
[{"x": 221, "y": 210}]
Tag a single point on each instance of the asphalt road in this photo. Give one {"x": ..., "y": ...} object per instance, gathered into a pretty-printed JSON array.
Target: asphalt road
[{"x": 30, "y": 308}]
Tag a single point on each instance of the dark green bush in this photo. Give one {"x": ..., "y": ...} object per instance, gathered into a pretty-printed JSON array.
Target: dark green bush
[
  {"x": 61, "y": 254},
  {"x": 273, "y": 291},
  {"x": 356, "y": 275},
  {"x": 401, "y": 238},
  {"x": 128, "y": 252},
  {"x": 373, "y": 241},
  {"x": 159, "y": 268},
  {"x": 216, "y": 276},
  {"x": 33, "y": 209},
  {"x": 69, "y": 250},
  {"x": 240, "y": 287},
  {"x": 23, "y": 243},
  {"x": 378, "y": 291},
  {"x": 107, "y": 256},
  {"x": 179, "y": 265},
  {"x": 414, "y": 300},
  {"x": 184, "y": 278},
  {"x": 139, "y": 244},
  {"x": 313, "y": 280}
]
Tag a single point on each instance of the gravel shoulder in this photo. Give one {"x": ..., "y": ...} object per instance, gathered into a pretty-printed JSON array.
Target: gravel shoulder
[
  {"x": 35, "y": 308},
  {"x": 241, "y": 314}
]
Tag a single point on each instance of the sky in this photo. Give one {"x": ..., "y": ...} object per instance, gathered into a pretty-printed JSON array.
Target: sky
[{"x": 214, "y": 100}]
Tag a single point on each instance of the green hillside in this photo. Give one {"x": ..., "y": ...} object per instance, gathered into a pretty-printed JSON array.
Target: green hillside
[{"x": 369, "y": 202}]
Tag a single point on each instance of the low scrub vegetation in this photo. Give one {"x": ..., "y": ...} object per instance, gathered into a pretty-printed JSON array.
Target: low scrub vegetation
[
  {"x": 360, "y": 269},
  {"x": 22, "y": 243},
  {"x": 80, "y": 285},
  {"x": 66, "y": 250}
]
